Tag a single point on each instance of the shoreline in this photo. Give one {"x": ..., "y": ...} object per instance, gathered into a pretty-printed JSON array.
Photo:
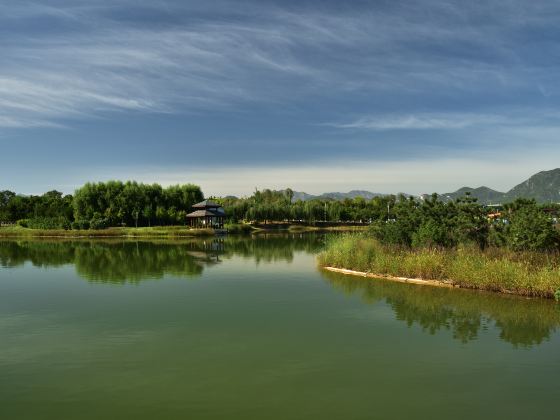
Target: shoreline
[
  {"x": 162, "y": 232},
  {"x": 498, "y": 270},
  {"x": 410, "y": 280},
  {"x": 448, "y": 284},
  {"x": 115, "y": 232}
]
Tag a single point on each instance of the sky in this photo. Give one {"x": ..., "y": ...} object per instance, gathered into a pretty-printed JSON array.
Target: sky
[{"x": 316, "y": 95}]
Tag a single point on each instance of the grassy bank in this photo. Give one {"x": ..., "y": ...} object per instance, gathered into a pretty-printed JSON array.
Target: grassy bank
[
  {"x": 498, "y": 270},
  {"x": 144, "y": 232},
  {"x": 292, "y": 227}
]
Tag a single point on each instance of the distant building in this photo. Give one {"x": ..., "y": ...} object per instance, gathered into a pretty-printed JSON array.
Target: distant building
[{"x": 207, "y": 214}]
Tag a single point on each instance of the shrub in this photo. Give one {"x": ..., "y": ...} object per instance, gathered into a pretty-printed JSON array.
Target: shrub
[
  {"x": 238, "y": 228},
  {"x": 98, "y": 223},
  {"x": 80, "y": 225},
  {"x": 532, "y": 230},
  {"x": 431, "y": 234},
  {"x": 391, "y": 232},
  {"x": 47, "y": 223},
  {"x": 23, "y": 223}
]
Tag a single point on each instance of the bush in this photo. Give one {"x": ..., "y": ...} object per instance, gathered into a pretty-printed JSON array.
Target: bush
[
  {"x": 497, "y": 235},
  {"x": 23, "y": 223},
  {"x": 430, "y": 234},
  {"x": 80, "y": 225},
  {"x": 391, "y": 232},
  {"x": 46, "y": 223},
  {"x": 238, "y": 228},
  {"x": 98, "y": 223},
  {"x": 532, "y": 230}
]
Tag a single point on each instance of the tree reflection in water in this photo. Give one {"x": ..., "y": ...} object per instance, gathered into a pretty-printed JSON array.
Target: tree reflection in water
[
  {"x": 122, "y": 261},
  {"x": 520, "y": 321}
]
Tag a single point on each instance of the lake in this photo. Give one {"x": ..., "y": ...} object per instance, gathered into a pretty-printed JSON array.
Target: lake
[{"x": 250, "y": 328}]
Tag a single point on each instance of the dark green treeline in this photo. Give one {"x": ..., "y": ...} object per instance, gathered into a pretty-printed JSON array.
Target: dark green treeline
[
  {"x": 103, "y": 204},
  {"x": 411, "y": 222},
  {"x": 268, "y": 205},
  {"x": 401, "y": 220}
]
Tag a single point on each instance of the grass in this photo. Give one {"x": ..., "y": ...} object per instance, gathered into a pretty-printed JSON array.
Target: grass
[
  {"x": 498, "y": 270},
  {"x": 242, "y": 228},
  {"x": 159, "y": 231},
  {"x": 149, "y": 232},
  {"x": 300, "y": 228}
]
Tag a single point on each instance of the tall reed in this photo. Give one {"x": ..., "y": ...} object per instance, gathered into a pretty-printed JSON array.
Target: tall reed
[{"x": 496, "y": 269}]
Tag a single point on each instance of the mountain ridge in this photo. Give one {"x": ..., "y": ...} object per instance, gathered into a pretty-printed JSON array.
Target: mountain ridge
[{"x": 544, "y": 187}]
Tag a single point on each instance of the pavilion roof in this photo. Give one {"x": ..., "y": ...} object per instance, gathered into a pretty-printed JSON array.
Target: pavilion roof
[
  {"x": 206, "y": 204},
  {"x": 204, "y": 213}
]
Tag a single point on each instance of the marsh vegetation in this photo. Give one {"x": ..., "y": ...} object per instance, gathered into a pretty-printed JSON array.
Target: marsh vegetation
[{"x": 515, "y": 251}]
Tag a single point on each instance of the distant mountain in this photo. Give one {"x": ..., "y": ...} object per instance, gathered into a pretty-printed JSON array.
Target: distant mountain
[
  {"x": 338, "y": 196},
  {"x": 351, "y": 194},
  {"x": 302, "y": 196},
  {"x": 544, "y": 187},
  {"x": 484, "y": 195}
]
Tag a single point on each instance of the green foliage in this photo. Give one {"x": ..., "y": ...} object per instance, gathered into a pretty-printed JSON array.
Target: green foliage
[
  {"x": 98, "y": 222},
  {"x": 115, "y": 203},
  {"x": 471, "y": 224},
  {"x": 59, "y": 222},
  {"x": 531, "y": 229},
  {"x": 406, "y": 221},
  {"x": 80, "y": 224},
  {"x": 523, "y": 226},
  {"x": 238, "y": 228},
  {"x": 430, "y": 234},
  {"x": 557, "y": 295},
  {"x": 100, "y": 205},
  {"x": 497, "y": 234},
  {"x": 51, "y": 205},
  {"x": 267, "y": 205},
  {"x": 433, "y": 223}
]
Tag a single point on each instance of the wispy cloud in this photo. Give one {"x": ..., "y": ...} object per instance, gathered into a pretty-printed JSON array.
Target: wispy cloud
[
  {"x": 258, "y": 54},
  {"x": 517, "y": 119},
  {"x": 421, "y": 122}
]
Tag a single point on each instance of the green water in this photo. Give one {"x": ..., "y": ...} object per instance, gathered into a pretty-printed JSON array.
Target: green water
[{"x": 249, "y": 328}]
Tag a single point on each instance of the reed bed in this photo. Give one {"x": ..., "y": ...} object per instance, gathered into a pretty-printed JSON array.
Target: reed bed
[
  {"x": 499, "y": 270},
  {"x": 147, "y": 232}
]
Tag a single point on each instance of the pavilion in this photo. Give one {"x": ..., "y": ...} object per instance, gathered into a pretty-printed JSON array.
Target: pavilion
[{"x": 207, "y": 214}]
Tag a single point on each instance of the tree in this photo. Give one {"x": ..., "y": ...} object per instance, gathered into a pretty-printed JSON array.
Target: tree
[
  {"x": 471, "y": 222},
  {"x": 5, "y": 198},
  {"x": 134, "y": 203},
  {"x": 531, "y": 229}
]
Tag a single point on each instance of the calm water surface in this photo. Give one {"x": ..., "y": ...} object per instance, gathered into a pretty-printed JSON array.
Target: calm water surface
[{"x": 249, "y": 328}]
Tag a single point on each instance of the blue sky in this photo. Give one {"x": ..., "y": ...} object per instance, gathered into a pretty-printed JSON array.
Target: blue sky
[{"x": 314, "y": 95}]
